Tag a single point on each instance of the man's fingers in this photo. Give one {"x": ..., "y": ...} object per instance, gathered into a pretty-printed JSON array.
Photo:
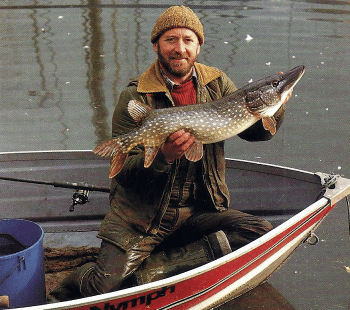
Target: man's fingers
[
  {"x": 182, "y": 140},
  {"x": 177, "y": 134},
  {"x": 188, "y": 142},
  {"x": 176, "y": 144}
]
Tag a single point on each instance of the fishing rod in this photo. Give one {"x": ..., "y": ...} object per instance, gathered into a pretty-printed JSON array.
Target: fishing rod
[
  {"x": 80, "y": 196},
  {"x": 80, "y": 185}
]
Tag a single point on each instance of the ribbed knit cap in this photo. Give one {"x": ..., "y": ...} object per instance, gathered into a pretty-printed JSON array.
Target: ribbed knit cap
[{"x": 177, "y": 17}]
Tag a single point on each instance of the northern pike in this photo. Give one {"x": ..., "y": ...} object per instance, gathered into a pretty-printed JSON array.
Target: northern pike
[{"x": 208, "y": 122}]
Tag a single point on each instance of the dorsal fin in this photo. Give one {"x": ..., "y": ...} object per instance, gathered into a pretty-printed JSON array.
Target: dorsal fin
[
  {"x": 138, "y": 110},
  {"x": 270, "y": 124}
]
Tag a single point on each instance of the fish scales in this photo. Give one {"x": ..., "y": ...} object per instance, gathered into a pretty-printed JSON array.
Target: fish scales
[{"x": 208, "y": 122}]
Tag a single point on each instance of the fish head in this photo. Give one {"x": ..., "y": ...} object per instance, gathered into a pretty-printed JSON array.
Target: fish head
[{"x": 264, "y": 97}]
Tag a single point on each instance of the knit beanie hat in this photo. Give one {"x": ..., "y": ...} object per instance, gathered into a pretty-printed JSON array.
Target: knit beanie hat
[{"x": 177, "y": 17}]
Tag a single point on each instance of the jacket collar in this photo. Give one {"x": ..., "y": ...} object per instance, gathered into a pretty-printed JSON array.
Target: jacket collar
[{"x": 151, "y": 81}]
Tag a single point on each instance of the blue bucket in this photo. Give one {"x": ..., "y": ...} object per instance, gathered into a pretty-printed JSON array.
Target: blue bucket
[{"x": 22, "y": 275}]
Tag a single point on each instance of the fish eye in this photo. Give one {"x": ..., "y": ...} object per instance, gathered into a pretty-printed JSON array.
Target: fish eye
[{"x": 275, "y": 83}]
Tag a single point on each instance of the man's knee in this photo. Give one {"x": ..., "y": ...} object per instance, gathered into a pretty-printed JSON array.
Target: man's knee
[
  {"x": 96, "y": 282},
  {"x": 238, "y": 220}
]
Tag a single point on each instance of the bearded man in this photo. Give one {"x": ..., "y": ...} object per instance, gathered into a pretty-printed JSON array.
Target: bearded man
[{"x": 174, "y": 206}]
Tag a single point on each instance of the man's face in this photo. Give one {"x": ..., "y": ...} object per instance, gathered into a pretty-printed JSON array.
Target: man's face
[{"x": 177, "y": 51}]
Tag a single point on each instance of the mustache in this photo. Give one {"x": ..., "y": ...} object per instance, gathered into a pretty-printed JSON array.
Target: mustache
[{"x": 178, "y": 56}]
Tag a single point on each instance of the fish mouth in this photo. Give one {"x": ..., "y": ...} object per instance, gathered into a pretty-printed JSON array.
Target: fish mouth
[
  {"x": 288, "y": 81},
  {"x": 291, "y": 78}
]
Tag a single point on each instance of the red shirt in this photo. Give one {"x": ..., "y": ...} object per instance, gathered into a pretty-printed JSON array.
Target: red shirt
[{"x": 184, "y": 94}]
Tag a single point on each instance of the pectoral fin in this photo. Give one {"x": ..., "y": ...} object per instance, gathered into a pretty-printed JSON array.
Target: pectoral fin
[
  {"x": 138, "y": 110},
  {"x": 195, "y": 151},
  {"x": 270, "y": 124},
  {"x": 150, "y": 153}
]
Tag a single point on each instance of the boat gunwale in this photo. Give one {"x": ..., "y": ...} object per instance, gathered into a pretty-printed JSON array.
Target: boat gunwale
[{"x": 49, "y": 155}]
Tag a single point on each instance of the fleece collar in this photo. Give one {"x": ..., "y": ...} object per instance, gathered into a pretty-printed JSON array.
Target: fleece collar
[{"x": 151, "y": 81}]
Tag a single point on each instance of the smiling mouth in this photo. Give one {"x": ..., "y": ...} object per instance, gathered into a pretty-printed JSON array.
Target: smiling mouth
[
  {"x": 179, "y": 60},
  {"x": 178, "y": 57}
]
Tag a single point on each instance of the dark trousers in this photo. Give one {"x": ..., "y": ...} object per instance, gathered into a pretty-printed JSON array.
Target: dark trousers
[{"x": 179, "y": 227}]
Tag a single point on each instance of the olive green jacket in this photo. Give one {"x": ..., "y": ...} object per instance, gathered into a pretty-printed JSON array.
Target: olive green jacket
[{"x": 139, "y": 196}]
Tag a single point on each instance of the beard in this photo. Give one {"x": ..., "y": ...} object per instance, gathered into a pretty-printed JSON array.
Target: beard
[{"x": 176, "y": 70}]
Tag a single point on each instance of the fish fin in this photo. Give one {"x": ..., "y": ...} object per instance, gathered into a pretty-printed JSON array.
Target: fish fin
[
  {"x": 270, "y": 124},
  {"x": 195, "y": 151},
  {"x": 138, "y": 110},
  {"x": 117, "y": 163},
  {"x": 111, "y": 147},
  {"x": 107, "y": 148},
  {"x": 150, "y": 153}
]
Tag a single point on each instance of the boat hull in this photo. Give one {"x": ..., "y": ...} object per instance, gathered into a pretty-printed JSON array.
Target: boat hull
[
  {"x": 212, "y": 284},
  {"x": 296, "y": 200}
]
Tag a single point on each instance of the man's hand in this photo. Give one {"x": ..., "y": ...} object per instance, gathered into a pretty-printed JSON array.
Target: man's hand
[{"x": 177, "y": 144}]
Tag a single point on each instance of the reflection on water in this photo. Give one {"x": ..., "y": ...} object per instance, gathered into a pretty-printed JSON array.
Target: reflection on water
[
  {"x": 49, "y": 93},
  {"x": 64, "y": 64},
  {"x": 93, "y": 41}
]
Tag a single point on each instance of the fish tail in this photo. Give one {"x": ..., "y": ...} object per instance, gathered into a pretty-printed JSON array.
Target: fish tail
[
  {"x": 117, "y": 163},
  {"x": 112, "y": 147},
  {"x": 107, "y": 148}
]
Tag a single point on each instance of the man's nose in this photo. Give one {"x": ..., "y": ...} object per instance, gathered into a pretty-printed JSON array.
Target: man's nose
[{"x": 180, "y": 47}]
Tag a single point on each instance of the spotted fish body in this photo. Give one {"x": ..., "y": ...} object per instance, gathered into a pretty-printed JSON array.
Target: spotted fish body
[{"x": 208, "y": 122}]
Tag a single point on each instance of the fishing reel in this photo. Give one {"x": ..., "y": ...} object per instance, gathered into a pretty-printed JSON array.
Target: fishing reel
[{"x": 80, "y": 196}]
